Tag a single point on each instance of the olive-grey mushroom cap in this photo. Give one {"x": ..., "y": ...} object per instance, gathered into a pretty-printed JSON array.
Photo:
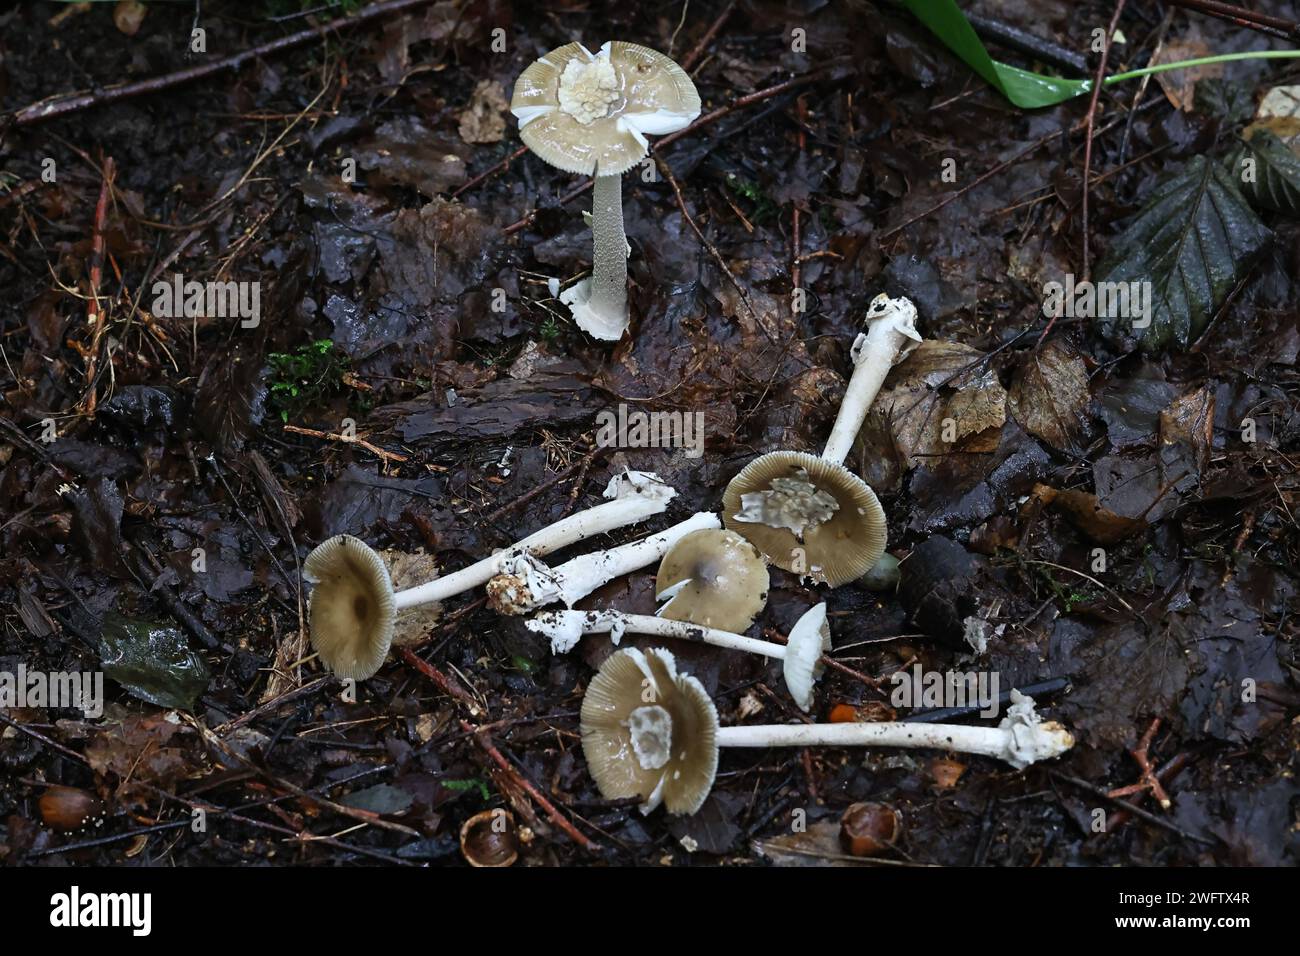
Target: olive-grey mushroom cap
[
  {"x": 713, "y": 578},
  {"x": 352, "y": 609},
  {"x": 650, "y": 732},
  {"x": 809, "y": 516},
  {"x": 590, "y": 112},
  {"x": 809, "y": 639}
]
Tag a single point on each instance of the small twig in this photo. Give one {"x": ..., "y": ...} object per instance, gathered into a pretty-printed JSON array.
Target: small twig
[
  {"x": 1273, "y": 26},
  {"x": 95, "y": 314},
  {"x": 484, "y": 740},
  {"x": 62, "y": 105},
  {"x": 387, "y": 456},
  {"x": 689, "y": 61},
  {"x": 446, "y": 684},
  {"x": 1087, "y": 143},
  {"x": 1130, "y": 808}
]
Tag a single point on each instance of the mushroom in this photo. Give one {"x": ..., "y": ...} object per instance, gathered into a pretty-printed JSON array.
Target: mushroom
[
  {"x": 810, "y": 514},
  {"x": 590, "y": 114},
  {"x": 715, "y": 578},
  {"x": 354, "y": 605},
  {"x": 525, "y": 583},
  {"x": 650, "y": 732},
  {"x": 809, "y": 639}
]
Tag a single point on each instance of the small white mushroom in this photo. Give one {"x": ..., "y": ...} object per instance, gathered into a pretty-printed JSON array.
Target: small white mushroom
[
  {"x": 808, "y": 640},
  {"x": 354, "y": 605},
  {"x": 590, "y": 113},
  {"x": 525, "y": 583}
]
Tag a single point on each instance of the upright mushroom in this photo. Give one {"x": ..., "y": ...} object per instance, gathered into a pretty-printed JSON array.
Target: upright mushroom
[
  {"x": 650, "y": 732},
  {"x": 801, "y": 654},
  {"x": 354, "y": 605},
  {"x": 590, "y": 114},
  {"x": 810, "y": 514}
]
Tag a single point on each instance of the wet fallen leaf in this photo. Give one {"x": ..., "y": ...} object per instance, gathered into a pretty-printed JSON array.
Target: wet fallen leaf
[
  {"x": 152, "y": 661},
  {"x": 1049, "y": 395},
  {"x": 940, "y": 400},
  {"x": 1193, "y": 241},
  {"x": 1274, "y": 174},
  {"x": 1180, "y": 85}
]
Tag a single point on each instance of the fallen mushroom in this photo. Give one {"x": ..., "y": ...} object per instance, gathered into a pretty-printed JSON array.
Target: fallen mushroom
[
  {"x": 809, "y": 639},
  {"x": 810, "y": 514},
  {"x": 715, "y": 578},
  {"x": 590, "y": 114},
  {"x": 525, "y": 583},
  {"x": 652, "y": 733},
  {"x": 354, "y": 605}
]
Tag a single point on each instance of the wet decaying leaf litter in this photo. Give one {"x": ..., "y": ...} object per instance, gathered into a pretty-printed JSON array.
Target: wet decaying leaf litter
[{"x": 462, "y": 433}]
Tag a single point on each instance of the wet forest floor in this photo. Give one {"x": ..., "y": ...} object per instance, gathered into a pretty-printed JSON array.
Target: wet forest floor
[{"x": 1127, "y": 517}]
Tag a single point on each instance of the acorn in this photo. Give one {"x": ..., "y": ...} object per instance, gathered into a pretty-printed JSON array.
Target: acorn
[
  {"x": 68, "y": 808},
  {"x": 489, "y": 839},
  {"x": 869, "y": 829}
]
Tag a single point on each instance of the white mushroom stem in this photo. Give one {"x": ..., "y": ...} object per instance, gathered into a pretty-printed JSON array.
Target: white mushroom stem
[
  {"x": 599, "y": 304},
  {"x": 525, "y": 583},
  {"x": 890, "y": 337},
  {"x": 636, "y": 495},
  {"x": 1020, "y": 739},
  {"x": 801, "y": 653}
]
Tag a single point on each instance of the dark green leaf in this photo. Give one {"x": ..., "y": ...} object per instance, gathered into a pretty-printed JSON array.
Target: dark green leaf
[
  {"x": 152, "y": 661},
  {"x": 1230, "y": 101},
  {"x": 1274, "y": 182},
  {"x": 1195, "y": 239}
]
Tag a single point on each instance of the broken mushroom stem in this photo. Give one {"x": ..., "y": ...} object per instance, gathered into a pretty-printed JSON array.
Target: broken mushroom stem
[
  {"x": 891, "y": 335},
  {"x": 354, "y": 606},
  {"x": 637, "y": 495},
  {"x": 525, "y": 583},
  {"x": 1019, "y": 740},
  {"x": 801, "y": 654}
]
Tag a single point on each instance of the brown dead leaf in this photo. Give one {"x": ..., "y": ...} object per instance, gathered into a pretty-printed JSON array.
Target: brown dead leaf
[
  {"x": 483, "y": 120},
  {"x": 1180, "y": 85},
  {"x": 1279, "y": 113},
  {"x": 1189, "y": 422},
  {"x": 939, "y": 400},
  {"x": 141, "y": 750},
  {"x": 1088, "y": 514},
  {"x": 1049, "y": 396}
]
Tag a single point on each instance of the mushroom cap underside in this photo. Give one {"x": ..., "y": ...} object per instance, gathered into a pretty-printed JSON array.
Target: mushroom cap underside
[
  {"x": 837, "y": 550},
  {"x": 629, "y": 681},
  {"x": 352, "y": 608},
  {"x": 726, "y": 577},
  {"x": 644, "y": 94}
]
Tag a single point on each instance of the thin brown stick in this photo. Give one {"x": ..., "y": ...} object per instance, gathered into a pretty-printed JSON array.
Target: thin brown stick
[
  {"x": 1251, "y": 19},
  {"x": 95, "y": 314},
  {"x": 689, "y": 61},
  {"x": 484, "y": 740},
  {"x": 445, "y": 684},
  {"x": 64, "y": 104},
  {"x": 334, "y": 436},
  {"x": 1087, "y": 142}
]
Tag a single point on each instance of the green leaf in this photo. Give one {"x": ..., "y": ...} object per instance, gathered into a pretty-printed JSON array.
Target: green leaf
[
  {"x": 1193, "y": 241},
  {"x": 1275, "y": 183},
  {"x": 152, "y": 661},
  {"x": 1024, "y": 89}
]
